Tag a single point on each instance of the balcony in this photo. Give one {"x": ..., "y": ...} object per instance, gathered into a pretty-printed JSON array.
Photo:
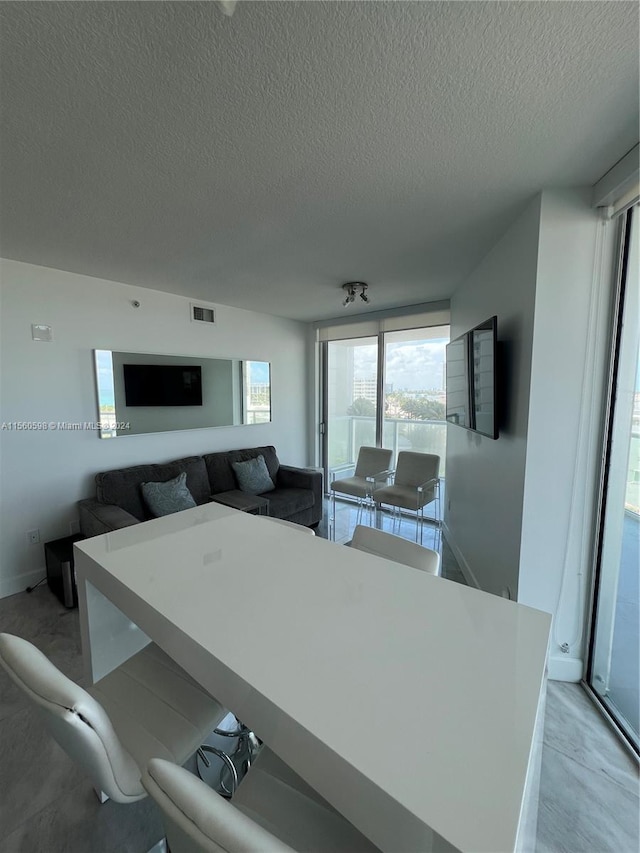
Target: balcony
[{"x": 348, "y": 433}]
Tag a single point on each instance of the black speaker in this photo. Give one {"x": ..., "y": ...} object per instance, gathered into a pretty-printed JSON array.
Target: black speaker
[{"x": 58, "y": 555}]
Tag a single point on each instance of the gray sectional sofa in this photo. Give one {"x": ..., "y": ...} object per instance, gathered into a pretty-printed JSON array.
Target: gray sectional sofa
[{"x": 118, "y": 503}]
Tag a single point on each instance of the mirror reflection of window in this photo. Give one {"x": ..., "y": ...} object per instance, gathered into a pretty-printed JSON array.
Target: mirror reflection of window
[
  {"x": 106, "y": 394},
  {"x": 458, "y": 409},
  {"x": 257, "y": 392},
  {"x": 483, "y": 380}
]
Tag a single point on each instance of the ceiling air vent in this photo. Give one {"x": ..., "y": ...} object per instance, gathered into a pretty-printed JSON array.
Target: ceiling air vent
[{"x": 202, "y": 314}]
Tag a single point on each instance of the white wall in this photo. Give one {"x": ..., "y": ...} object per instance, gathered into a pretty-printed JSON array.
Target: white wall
[
  {"x": 43, "y": 474},
  {"x": 521, "y": 508},
  {"x": 485, "y": 478},
  {"x": 565, "y": 415}
]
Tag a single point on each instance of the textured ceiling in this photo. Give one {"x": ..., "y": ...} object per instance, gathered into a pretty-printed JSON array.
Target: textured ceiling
[{"x": 262, "y": 160}]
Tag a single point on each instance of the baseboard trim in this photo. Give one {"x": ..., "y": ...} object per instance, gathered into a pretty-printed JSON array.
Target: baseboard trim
[
  {"x": 465, "y": 568},
  {"x": 11, "y": 586},
  {"x": 564, "y": 668}
]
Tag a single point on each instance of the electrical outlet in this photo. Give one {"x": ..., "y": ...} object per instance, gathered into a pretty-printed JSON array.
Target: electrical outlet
[{"x": 33, "y": 536}]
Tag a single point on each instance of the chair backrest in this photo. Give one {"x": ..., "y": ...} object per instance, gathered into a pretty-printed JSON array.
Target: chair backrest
[
  {"x": 395, "y": 548},
  {"x": 414, "y": 468},
  {"x": 372, "y": 460},
  {"x": 74, "y": 718},
  {"x": 197, "y": 820}
]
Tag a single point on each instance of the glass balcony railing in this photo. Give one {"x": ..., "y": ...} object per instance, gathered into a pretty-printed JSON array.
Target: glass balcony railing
[{"x": 349, "y": 433}]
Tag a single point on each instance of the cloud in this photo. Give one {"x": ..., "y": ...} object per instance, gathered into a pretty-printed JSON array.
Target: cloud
[{"x": 411, "y": 366}]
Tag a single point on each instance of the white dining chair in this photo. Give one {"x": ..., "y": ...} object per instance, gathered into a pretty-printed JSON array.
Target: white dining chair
[
  {"x": 371, "y": 469},
  {"x": 392, "y": 547},
  {"x": 300, "y": 528},
  {"x": 416, "y": 483},
  {"x": 146, "y": 708},
  {"x": 273, "y": 811}
]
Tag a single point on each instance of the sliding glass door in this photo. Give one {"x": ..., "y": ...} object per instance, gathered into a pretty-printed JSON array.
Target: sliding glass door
[
  {"x": 387, "y": 391},
  {"x": 351, "y": 397},
  {"x": 414, "y": 391},
  {"x": 614, "y": 670}
]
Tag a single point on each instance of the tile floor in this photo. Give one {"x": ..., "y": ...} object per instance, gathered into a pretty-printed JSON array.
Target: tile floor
[{"x": 588, "y": 797}]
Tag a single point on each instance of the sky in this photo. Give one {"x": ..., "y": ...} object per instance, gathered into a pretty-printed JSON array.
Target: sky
[
  {"x": 259, "y": 372},
  {"x": 104, "y": 368},
  {"x": 412, "y": 366}
]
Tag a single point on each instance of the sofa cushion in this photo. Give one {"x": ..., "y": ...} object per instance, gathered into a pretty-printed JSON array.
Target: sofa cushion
[
  {"x": 286, "y": 502},
  {"x": 168, "y": 497},
  {"x": 123, "y": 485},
  {"x": 196, "y": 471},
  {"x": 253, "y": 476},
  {"x": 220, "y": 470}
]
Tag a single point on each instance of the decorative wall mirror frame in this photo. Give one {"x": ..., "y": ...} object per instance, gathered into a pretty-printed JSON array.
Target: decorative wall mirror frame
[{"x": 141, "y": 393}]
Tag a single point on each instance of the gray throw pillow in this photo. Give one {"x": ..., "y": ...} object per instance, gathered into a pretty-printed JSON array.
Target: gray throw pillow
[
  {"x": 253, "y": 476},
  {"x": 168, "y": 497}
]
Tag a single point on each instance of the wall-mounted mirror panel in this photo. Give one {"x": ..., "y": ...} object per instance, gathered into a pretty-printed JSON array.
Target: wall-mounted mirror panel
[{"x": 139, "y": 393}]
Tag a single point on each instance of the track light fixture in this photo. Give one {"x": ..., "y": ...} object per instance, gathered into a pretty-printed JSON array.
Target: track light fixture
[{"x": 353, "y": 289}]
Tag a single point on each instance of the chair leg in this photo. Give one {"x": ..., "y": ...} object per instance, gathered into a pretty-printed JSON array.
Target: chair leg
[
  {"x": 372, "y": 512},
  {"x": 438, "y": 520},
  {"x": 332, "y": 518},
  {"x": 248, "y": 742},
  {"x": 226, "y": 761}
]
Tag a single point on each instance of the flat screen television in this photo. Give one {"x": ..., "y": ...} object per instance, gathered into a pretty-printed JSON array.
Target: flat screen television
[
  {"x": 162, "y": 384},
  {"x": 471, "y": 379}
]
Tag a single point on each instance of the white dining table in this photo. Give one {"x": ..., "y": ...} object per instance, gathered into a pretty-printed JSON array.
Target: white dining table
[{"x": 413, "y": 704}]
